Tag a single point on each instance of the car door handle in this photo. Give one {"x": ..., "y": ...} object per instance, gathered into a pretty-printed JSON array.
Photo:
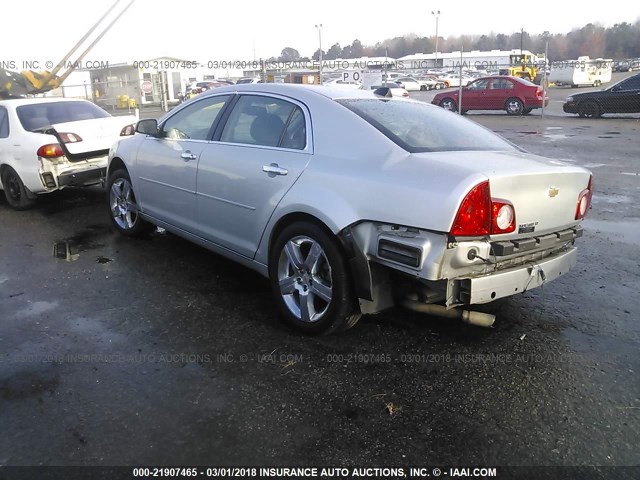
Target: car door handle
[
  {"x": 275, "y": 169},
  {"x": 186, "y": 156}
]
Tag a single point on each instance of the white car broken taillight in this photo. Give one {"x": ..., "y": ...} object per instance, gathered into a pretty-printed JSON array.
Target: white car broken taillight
[{"x": 51, "y": 150}]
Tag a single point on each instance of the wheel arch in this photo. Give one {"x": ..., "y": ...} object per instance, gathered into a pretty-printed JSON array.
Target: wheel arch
[
  {"x": 291, "y": 218},
  {"x": 115, "y": 164}
]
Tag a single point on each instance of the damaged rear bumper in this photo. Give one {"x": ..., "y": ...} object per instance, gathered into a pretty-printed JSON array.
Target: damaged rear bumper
[
  {"x": 390, "y": 262},
  {"x": 503, "y": 283},
  {"x": 59, "y": 173}
]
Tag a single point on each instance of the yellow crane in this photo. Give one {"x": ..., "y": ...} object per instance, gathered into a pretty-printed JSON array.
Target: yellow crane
[{"x": 30, "y": 82}]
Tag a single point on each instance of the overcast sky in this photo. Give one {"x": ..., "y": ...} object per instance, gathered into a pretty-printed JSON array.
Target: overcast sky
[{"x": 205, "y": 30}]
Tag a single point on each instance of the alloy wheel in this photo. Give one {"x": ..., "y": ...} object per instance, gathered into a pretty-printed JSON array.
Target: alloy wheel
[{"x": 305, "y": 279}]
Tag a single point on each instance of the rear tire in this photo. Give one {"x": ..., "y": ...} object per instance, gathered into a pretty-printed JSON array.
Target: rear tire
[
  {"x": 527, "y": 111},
  {"x": 123, "y": 208},
  {"x": 16, "y": 193},
  {"x": 449, "y": 104},
  {"x": 589, "y": 109},
  {"x": 514, "y": 106},
  {"x": 311, "y": 282}
]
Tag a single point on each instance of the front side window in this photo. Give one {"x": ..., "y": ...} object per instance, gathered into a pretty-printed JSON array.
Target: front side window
[
  {"x": 630, "y": 84},
  {"x": 266, "y": 121},
  {"x": 478, "y": 85},
  {"x": 4, "y": 123},
  {"x": 195, "y": 121},
  {"x": 418, "y": 127}
]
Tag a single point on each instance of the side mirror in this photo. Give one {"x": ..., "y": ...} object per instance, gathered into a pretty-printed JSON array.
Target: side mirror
[{"x": 148, "y": 126}]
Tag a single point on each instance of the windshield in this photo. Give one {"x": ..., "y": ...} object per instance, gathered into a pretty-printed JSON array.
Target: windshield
[
  {"x": 38, "y": 115},
  {"x": 418, "y": 127}
]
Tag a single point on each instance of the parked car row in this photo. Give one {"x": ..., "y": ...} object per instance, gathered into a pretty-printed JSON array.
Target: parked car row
[
  {"x": 628, "y": 65},
  {"x": 196, "y": 88},
  {"x": 520, "y": 97}
]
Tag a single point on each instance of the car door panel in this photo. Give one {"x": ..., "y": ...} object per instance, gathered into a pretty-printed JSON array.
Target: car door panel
[
  {"x": 236, "y": 197},
  {"x": 167, "y": 166},
  {"x": 497, "y": 92},
  {"x": 167, "y": 181},
  {"x": 473, "y": 95},
  {"x": 244, "y": 175}
]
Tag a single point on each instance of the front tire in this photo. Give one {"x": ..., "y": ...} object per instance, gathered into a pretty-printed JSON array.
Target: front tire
[
  {"x": 123, "y": 208},
  {"x": 514, "y": 106},
  {"x": 589, "y": 109},
  {"x": 14, "y": 190},
  {"x": 310, "y": 280}
]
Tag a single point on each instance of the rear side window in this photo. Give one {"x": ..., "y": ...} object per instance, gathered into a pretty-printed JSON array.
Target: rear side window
[
  {"x": 4, "y": 123},
  {"x": 501, "y": 84},
  {"x": 295, "y": 136},
  {"x": 266, "y": 121},
  {"x": 418, "y": 127},
  {"x": 38, "y": 115}
]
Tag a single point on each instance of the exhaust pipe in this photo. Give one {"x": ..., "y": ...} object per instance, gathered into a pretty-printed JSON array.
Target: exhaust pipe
[{"x": 478, "y": 319}]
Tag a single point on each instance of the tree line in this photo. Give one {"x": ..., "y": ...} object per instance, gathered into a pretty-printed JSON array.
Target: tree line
[{"x": 618, "y": 42}]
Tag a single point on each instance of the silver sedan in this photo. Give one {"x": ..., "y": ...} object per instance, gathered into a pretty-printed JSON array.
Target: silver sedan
[{"x": 351, "y": 203}]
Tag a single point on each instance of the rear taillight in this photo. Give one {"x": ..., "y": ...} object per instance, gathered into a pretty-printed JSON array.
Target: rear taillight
[
  {"x": 70, "y": 137},
  {"x": 584, "y": 200},
  {"x": 405, "y": 94},
  {"x": 481, "y": 215},
  {"x": 51, "y": 150},
  {"x": 539, "y": 93},
  {"x": 474, "y": 215},
  {"x": 503, "y": 217},
  {"x": 128, "y": 130}
]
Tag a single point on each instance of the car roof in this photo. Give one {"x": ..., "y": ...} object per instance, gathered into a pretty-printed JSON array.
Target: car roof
[{"x": 298, "y": 91}]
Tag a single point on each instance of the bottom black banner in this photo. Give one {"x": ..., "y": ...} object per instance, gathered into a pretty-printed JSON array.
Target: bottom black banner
[{"x": 297, "y": 472}]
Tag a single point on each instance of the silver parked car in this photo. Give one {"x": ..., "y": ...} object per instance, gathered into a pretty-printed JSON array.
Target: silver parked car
[{"x": 351, "y": 203}]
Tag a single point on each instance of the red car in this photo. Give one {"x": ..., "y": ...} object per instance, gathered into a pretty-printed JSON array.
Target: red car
[{"x": 514, "y": 95}]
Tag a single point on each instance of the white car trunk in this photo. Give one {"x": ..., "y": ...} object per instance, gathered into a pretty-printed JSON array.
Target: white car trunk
[{"x": 97, "y": 134}]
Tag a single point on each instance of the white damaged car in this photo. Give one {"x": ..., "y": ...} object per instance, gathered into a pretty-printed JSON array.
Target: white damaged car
[
  {"x": 351, "y": 203},
  {"x": 49, "y": 143}
]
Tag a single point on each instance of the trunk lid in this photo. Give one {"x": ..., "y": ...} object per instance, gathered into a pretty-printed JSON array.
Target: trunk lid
[
  {"x": 543, "y": 191},
  {"x": 98, "y": 134}
]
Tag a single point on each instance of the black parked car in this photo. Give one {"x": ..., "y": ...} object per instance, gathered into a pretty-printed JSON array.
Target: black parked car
[{"x": 622, "y": 97}]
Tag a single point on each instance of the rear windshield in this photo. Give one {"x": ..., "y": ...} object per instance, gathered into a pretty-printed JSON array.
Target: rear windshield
[
  {"x": 418, "y": 127},
  {"x": 38, "y": 115}
]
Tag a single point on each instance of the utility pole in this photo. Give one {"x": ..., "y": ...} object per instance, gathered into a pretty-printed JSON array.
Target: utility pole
[
  {"x": 319, "y": 27},
  {"x": 436, "y": 13}
]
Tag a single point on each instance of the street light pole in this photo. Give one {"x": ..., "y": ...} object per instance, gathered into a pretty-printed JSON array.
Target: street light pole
[
  {"x": 319, "y": 27},
  {"x": 436, "y": 13}
]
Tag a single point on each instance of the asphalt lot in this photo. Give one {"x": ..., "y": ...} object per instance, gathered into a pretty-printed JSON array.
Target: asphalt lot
[{"x": 158, "y": 352}]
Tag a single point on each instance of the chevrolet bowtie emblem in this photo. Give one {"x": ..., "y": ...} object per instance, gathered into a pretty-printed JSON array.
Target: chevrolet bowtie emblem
[{"x": 553, "y": 191}]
